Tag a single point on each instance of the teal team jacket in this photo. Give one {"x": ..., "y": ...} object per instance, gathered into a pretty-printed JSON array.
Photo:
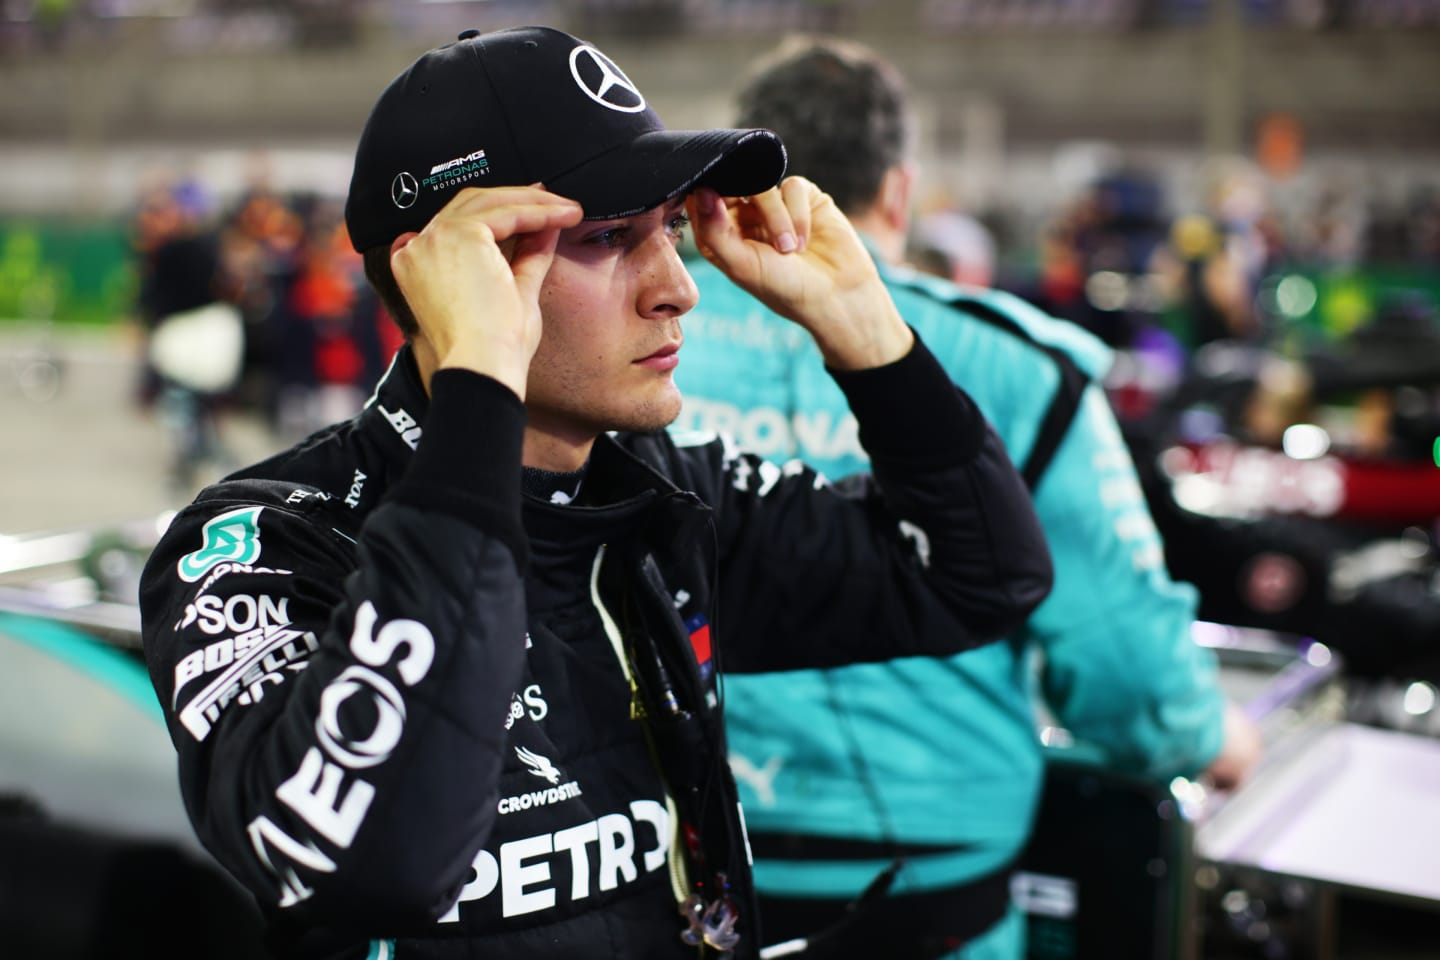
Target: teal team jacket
[{"x": 945, "y": 751}]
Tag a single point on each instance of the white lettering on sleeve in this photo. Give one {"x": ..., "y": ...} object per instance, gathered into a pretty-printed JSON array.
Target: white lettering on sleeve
[
  {"x": 389, "y": 715},
  {"x": 314, "y": 793},
  {"x": 293, "y": 890},
  {"x": 377, "y": 651},
  {"x": 189, "y": 668}
]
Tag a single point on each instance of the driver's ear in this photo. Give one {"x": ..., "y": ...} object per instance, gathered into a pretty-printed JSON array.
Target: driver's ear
[{"x": 893, "y": 200}]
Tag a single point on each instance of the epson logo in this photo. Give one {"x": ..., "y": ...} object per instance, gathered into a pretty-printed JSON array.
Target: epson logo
[
  {"x": 236, "y": 614},
  {"x": 599, "y": 854}
]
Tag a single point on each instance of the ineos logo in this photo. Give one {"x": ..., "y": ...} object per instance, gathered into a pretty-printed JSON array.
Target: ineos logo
[
  {"x": 610, "y": 88},
  {"x": 404, "y": 190},
  {"x": 389, "y": 718}
]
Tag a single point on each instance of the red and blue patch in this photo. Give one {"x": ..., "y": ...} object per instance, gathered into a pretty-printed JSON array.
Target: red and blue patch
[{"x": 699, "y": 629}]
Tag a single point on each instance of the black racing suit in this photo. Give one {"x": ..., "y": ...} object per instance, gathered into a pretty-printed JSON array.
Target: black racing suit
[{"x": 420, "y": 714}]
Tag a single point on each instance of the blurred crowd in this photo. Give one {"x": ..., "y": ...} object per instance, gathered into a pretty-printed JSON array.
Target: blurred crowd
[
  {"x": 312, "y": 340},
  {"x": 1155, "y": 282},
  {"x": 256, "y": 24},
  {"x": 1291, "y": 292},
  {"x": 1118, "y": 257}
]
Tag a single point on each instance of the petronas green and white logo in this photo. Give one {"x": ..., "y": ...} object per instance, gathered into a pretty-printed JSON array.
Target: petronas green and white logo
[{"x": 232, "y": 537}]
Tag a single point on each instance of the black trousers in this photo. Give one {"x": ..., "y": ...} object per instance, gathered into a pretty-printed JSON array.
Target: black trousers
[{"x": 915, "y": 926}]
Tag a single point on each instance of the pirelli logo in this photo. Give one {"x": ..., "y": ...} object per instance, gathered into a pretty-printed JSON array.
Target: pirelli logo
[{"x": 244, "y": 680}]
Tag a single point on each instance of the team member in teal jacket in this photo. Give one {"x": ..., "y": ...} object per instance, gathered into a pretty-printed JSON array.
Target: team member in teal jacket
[{"x": 938, "y": 760}]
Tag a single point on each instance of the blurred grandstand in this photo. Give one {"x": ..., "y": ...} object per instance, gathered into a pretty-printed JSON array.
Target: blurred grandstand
[{"x": 1026, "y": 108}]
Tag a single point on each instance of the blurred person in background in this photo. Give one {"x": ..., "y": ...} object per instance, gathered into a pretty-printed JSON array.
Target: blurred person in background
[
  {"x": 194, "y": 336},
  {"x": 955, "y": 246},
  {"x": 330, "y": 342},
  {"x": 443, "y": 678},
  {"x": 937, "y": 763},
  {"x": 260, "y": 245},
  {"x": 1211, "y": 295},
  {"x": 156, "y": 219}
]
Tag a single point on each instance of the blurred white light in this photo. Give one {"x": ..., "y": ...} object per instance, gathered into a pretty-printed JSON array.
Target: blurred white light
[
  {"x": 1107, "y": 290},
  {"x": 1198, "y": 494},
  {"x": 1419, "y": 699},
  {"x": 1305, "y": 441},
  {"x": 1190, "y": 795},
  {"x": 1057, "y": 737},
  {"x": 1318, "y": 655},
  {"x": 1295, "y": 296},
  {"x": 1209, "y": 634},
  {"x": 1415, "y": 543},
  {"x": 163, "y": 521}
]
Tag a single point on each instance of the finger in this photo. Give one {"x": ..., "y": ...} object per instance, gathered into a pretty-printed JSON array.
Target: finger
[
  {"x": 474, "y": 199},
  {"x": 530, "y": 261},
  {"x": 751, "y": 219},
  {"x": 716, "y": 233},
  {"x": 798, "y": 195},
  {"x": 775, "y": 217},
  {"x": 401, "y": 242},
  {"x": 507, "y": 210},
  {"x": 509, "y": 221}
]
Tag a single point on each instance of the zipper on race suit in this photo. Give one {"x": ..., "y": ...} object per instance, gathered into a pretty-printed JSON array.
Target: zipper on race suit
[{"x": 675, "y": 858}]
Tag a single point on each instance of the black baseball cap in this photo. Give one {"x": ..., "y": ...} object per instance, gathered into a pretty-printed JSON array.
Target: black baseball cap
[{"x": 527, "y": 105}]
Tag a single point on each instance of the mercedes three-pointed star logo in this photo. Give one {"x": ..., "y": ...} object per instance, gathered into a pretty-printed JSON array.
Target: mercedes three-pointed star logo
[
  {"x": 404, "y": 190},
  {"x": 611, "y": 88}
]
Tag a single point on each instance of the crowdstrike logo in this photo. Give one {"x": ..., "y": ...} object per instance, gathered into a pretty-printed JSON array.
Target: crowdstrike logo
[
  {"x": 538, "y": 765},
  {"x": 404, "y": 190},
  {"x": 603, "y": 82},
  {"x": 541, "y": 767},
  {"x": 543, "y": 797}
]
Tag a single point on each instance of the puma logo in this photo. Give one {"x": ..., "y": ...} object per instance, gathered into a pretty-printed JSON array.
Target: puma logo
[{"x": 760, "y": 779}]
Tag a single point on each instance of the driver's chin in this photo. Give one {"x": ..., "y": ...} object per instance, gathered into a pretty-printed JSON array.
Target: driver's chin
[{"x": 655, "y": 413}]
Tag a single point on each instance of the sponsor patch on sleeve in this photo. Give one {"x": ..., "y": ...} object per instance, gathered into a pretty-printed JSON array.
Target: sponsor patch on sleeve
[{"x": 232, "y": 537}]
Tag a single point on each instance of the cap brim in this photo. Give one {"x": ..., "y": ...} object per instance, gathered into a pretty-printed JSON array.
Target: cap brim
[{"x": 662, "y": 164}]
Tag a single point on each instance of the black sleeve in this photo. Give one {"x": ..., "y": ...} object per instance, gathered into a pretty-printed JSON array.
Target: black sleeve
[
  {"x": 338, "y": 703},
  {"x": 936, "y": 551}
]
